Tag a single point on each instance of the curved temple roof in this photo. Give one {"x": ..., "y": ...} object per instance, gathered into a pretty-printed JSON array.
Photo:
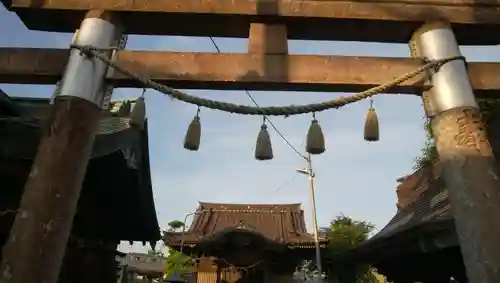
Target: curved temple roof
[{"x": 279, "y": 223}]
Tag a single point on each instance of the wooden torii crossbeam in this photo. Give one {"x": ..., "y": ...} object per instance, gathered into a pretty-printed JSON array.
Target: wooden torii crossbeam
[
  {"x": 185, "y": 70},
  {"x": 475, "y": 22}
]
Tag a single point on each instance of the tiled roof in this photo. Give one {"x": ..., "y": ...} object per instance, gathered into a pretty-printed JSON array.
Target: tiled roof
[
  {"x": 427, "y": 203},
  {"x": 281, "y": 223},
  {"x": 431, "y": 206},
  {"x": 118, "y": 174},
  {"x": 425, "y": 209},
  {"x": 7, "y": 106},
  {"x": 413, "y": 185}
]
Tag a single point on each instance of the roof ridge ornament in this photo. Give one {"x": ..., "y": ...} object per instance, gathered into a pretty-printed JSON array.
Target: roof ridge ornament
[{"x": 242, "y": 225}]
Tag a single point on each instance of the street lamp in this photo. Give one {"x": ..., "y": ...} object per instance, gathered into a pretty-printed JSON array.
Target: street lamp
[
  {"x": 176, "y": 277},
  {"x": 310, "y": 174}
]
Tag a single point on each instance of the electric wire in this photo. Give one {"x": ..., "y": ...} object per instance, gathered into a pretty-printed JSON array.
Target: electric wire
[
  {"x": 286, "y": 183},
  {"x": 265, "y": 117}
]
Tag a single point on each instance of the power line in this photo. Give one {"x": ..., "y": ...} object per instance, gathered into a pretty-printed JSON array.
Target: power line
[
  {"x": 265, "y": 117},
  {"x": 276, "y": 129},
  {"x": 286, "y": 183},
  {"x": 215, "y": 44}
]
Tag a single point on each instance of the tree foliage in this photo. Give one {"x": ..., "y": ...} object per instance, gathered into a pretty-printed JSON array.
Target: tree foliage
[
  {"x": 428, "y": 154},
  {"x": 175, "y": 224},
  {"x": 344, "y": 234},
  {"x": 175, "y": 262}
]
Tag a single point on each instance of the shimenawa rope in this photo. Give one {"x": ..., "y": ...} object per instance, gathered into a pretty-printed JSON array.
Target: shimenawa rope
[{"x": 266, "y": 111}]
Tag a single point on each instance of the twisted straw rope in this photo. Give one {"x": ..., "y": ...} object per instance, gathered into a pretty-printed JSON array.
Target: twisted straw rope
[{"x": 264, "y": 111}]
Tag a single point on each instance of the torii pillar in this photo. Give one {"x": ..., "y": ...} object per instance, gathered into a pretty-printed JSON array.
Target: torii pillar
[
  {"x": 37, "y": 241},
  {"x": 463, "y": 147}
]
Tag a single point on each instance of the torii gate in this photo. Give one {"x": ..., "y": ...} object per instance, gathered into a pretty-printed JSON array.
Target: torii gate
[{"x": 447, "y": 93}]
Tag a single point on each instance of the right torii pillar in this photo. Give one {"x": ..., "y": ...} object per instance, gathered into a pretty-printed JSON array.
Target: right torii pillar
[{"x": 469, "y": 170}]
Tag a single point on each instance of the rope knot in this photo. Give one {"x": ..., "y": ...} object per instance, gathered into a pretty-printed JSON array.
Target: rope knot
[
  {"x": 84, "y": 49},
  {"x": 437, "y": 64}
]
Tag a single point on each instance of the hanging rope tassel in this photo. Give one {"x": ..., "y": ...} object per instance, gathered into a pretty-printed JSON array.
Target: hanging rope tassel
[
  {"x": 371, "y": 125},
  {"x": 315, "y": 143},
  {"x": 138, "y": 113},
  {"x": 263, "y": 147},
  {"x": 193, "y": 134}
]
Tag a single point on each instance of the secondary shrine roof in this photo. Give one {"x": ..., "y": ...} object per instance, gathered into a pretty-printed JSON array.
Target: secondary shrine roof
[
  {"x": 424, "y": 210},
  {"x": 430, "y": 207},
  {"x": 280, "y": 223},
  {"x": 117, "y": 176},
  {"x": 425, "y": 201}
]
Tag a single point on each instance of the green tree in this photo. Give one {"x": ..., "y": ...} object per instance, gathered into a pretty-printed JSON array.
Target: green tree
[
  {"x": 174, "y": 225},
  {"x": 344, "y": 234},
  {"x": 175, "y": 262},
  {"x": 428, "y": 154}
]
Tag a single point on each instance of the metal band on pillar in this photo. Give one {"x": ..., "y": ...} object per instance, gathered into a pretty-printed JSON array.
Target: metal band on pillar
[
  {"x": 57, "y": 89},
  {"x": 430, "y": 110},
  {"x": 465, "y": 153},
  {"x": 84, "y": 75},
  {"x": 434, "y": 42}
]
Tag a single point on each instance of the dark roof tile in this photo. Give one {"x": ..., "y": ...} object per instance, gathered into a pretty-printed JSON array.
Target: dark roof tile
[
  {"x": 281, "y": 223},
  {"x": 429, "y": 202}
]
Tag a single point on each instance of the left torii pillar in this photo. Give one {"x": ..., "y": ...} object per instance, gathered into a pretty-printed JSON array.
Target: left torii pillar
[{"x": 35, "y": 249}]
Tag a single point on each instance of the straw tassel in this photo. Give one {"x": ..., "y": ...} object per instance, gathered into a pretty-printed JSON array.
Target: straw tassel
[
  {"x": 193, "y": 134},
  {"x": 371, "y": 125},
  {"x": 263, "y": 147},
  {"x": 315, "y": 139},
  {"x": 138, "y": 113}
]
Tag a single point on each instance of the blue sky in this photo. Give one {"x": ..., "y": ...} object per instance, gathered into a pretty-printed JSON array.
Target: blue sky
[{"x": 353, "y": 177}]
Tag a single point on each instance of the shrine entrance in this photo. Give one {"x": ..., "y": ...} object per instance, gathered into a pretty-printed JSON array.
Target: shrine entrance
[{"x": 71, "y": 139}]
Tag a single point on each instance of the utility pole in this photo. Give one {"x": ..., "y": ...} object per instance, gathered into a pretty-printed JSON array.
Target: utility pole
[
  {"x": 461, "y": 141},
  {"x": 310, "y": 177},
  {"x": 38, "y": 238}
]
